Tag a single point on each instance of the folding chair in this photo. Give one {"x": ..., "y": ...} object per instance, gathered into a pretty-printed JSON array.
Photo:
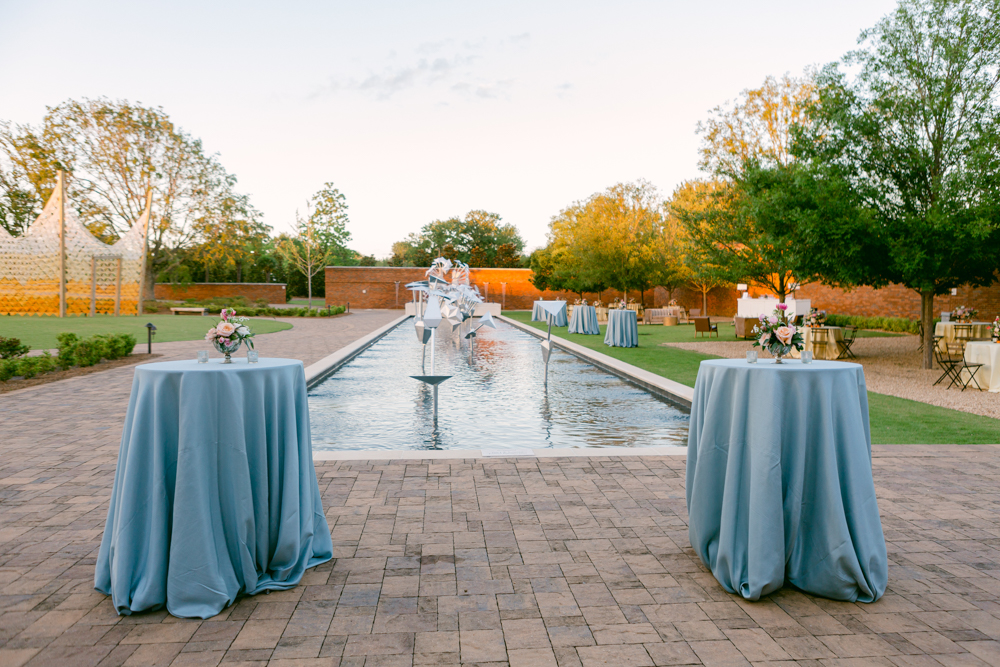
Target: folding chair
[
  {"x": 945, "y": 362},
  {"x": 819, "y": 338},
  {"x": 850, "y": 333},
  {"x": 957, "y": 351}
]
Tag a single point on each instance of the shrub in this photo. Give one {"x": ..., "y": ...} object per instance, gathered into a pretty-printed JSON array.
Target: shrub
[
  {"x": 8, "y": 369},
  {"x": 67, "y": 349},
  {"x": 894, "y": 324},
  {"x": 11, "y": 348}
]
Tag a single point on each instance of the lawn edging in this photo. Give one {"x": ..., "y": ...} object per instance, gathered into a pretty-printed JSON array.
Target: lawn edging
[{"x": 675, "y": 392}]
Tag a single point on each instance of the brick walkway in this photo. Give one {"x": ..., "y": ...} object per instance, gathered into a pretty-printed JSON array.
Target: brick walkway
[{"x": 488, "y": 561}]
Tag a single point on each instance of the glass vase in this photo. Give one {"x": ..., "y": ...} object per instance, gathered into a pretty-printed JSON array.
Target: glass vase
[{"x": 227, "y": 348}]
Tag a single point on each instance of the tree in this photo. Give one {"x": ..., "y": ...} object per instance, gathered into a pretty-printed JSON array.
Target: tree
[
  {"x": 915, "y": 133},
  {"x": 618, "y": 238},
  {"x": 480, "y": 239},
  {"x": 305, "y": 251},
  {"x": 230, "y": 234},
  {"x": 759, "y": 127},
  {"x": 115, "y": 151},
  {"x": 330, "y": 218}
]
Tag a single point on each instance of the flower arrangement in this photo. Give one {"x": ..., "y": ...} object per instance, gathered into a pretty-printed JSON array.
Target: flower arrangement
[
  {"x": 618, "y": 304},
  {"x": 673, "y": 303},
  {"x": 816, "y": 318},
  {"x": 996, "y": 330},
  {"x": 963, "y": 314},
  {"x": 776, "y": 334},
  {"x": 230, "y": 333}
]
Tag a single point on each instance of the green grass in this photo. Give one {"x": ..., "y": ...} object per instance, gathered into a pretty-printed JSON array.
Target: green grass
[
  {"x": 40, "y": 332},
  {"x": 894, "y": 421}
]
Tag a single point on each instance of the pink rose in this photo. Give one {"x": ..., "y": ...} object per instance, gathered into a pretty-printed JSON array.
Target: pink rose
[
  {"x": 764, "y": 339},
  {"x": 226, "y": 329},
  {"x": 785, "y": 334},
  {"x": 224, "y": 341},
  {"x": 782, "y": 306},
  {"x": 772, "y": 319}
]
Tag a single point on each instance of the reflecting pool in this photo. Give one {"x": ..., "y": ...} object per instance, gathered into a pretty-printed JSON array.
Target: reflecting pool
[{"x": 499, "y": 400}]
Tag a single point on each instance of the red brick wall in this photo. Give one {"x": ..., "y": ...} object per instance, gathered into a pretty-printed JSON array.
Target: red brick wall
[
  {"x": 899, "y": 301},
  {"x": 272, "y": 292},
  {"x": 375, "y": 287}
]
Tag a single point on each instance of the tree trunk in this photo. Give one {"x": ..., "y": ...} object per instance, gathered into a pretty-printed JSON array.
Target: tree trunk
[
  {"x": 704, "y": 302},
  {"x": 309, "y": 280},
  {"x": 206, "y": 273},
  {"x": 927, "y": 317},
  {"x": 642, "y": 298}
]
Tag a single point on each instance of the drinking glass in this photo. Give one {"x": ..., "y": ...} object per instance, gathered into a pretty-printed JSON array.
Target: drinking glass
[
  {"x": 202, "y": 356},
  {"x": 807, "y": 356},
  {"x": 252, "y": 356},
  {"x": 752, "y": 357}
]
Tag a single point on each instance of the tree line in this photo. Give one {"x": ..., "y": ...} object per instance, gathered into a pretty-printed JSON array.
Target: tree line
[{"x": 881, "y": 168}]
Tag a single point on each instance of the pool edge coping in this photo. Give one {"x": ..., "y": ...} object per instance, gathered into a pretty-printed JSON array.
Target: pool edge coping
[
  {"x": 675, "y": 392},
  {"x": 328, "y": 365},
  {"x": 562, "y": 452}
]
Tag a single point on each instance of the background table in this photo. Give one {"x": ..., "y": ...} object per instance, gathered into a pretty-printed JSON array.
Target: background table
[
  {"x": 538, "y": 314},
  {"x": 988, "y": 354},
  {"x": 834, "y": 338},
  {"x": 779, "y": 479},
  {"x": 623, "y": 329},
  {"x": 215, "y": 493},
  {"x": 584, "y": 321},
  {"x": 947, "y": 331}
]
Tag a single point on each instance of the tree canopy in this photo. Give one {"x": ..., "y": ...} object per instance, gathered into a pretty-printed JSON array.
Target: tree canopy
[
  {"x": 915, "y": 133},
  {"x": 480, "y": 239}
]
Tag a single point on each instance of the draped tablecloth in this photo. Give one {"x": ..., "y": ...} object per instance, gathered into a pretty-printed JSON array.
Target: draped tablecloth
[
  {"x": 779, "y": 479},
  {"x": 215, "y": 493},
  {"x": 584, "y": 320},
  {"x": 988, "y": 354},
  {"x": 833, "y": 340},
  {"x": 538, "y": 314},
  {"x": 623, "y": 329},
  {"x": 947, "y": 331}
]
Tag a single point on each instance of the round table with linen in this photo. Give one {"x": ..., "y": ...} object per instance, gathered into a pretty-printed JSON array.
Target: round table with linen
[
  {"x": 215, "y": 493},
  {"x": 538, "y": 314},
  {"x": 584, "y": 321},
  {"x": 986, "y": 353},
  {"x": 779, "y": 479},
  {"x": 946, "y": 330},
  {"x": 830, "y": 351},
  {"x": 623, "y": 329}
]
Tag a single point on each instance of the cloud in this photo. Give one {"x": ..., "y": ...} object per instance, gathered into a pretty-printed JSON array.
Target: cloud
[{"x": 429, "y": 66}]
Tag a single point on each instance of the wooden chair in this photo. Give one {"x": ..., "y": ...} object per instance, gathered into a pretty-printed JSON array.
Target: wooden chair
[
  {"x": 850, "y": 333},
  {"x": 740, "y": 327},
  {"x": 703, "y": 325},
  {"x": 694, "y": 312},
  {"x": 819, "y": 338}
]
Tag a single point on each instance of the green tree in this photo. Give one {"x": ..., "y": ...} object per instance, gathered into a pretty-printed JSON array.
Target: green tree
[
  {"x": 480, "y": 239},
  {"x": 329, "y": 215},
  {"x": 230, "y": 234},
  {"x": 116, "y": 151},
  {"x": 916, "y": 133},
  {"x": 305, "y": 252}
]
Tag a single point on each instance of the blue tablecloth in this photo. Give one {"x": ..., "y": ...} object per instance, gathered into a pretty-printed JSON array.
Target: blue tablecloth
[
  {"x": 623, "y": 329},
  {"x": 779, "y": 479},
  {"x": 584, "y": 320},
  {"x": 215, "y": 492},
  {"x": 538, "y": 314}
]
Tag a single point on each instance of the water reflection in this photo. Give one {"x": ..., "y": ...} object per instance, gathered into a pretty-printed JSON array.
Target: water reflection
[{"x": 498, "y": 401}]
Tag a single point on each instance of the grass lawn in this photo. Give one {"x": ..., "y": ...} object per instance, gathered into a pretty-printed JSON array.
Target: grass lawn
[
  {"x": 41, "y": 332},
  {"x": 894, "y": 421}
]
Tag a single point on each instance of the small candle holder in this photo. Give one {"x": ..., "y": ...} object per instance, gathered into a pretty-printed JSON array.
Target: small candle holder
[
  {"x": 202, "y": 356},
  {"x": 752, "y": 356},
  {"x": 252, "y": 356},
  {"x": 807, "y": 356}
]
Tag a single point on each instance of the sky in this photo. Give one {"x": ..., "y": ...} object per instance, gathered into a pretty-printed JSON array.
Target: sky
[{"x": 420, "y": 111}]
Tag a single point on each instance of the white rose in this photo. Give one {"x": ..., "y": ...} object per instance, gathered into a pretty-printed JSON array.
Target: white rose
[{"x": 243, "y": 331}]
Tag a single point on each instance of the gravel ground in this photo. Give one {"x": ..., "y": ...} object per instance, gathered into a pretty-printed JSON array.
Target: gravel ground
[{"x": 892, "y": 366}]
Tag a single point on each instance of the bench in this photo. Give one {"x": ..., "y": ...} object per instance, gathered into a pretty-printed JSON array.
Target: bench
[{"x": 200, "y": 311}]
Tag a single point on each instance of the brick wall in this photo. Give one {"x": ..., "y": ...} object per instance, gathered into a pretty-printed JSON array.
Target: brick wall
[
  {"x": 272, "y": 292},
  {"x": 898, "y": 301},
  {"x": 375, "y": 287}
]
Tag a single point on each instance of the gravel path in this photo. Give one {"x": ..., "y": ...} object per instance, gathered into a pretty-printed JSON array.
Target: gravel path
[{"x": 892, "y": 366}]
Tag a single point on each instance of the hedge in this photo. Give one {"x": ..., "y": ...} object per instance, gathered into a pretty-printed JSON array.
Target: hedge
[
  {"x": 894, "y": 324},
  {"x": 72, "y": 352}
]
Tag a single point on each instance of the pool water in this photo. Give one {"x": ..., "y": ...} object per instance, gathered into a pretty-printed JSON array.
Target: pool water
[{"x": 499, "y": 400}]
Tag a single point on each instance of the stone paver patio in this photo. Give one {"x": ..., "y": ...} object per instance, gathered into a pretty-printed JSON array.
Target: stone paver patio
[{"x": 526, "y": 561}]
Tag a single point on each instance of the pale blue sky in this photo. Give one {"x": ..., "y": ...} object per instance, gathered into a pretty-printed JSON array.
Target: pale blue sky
[{"x": 424, "y": 110}]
